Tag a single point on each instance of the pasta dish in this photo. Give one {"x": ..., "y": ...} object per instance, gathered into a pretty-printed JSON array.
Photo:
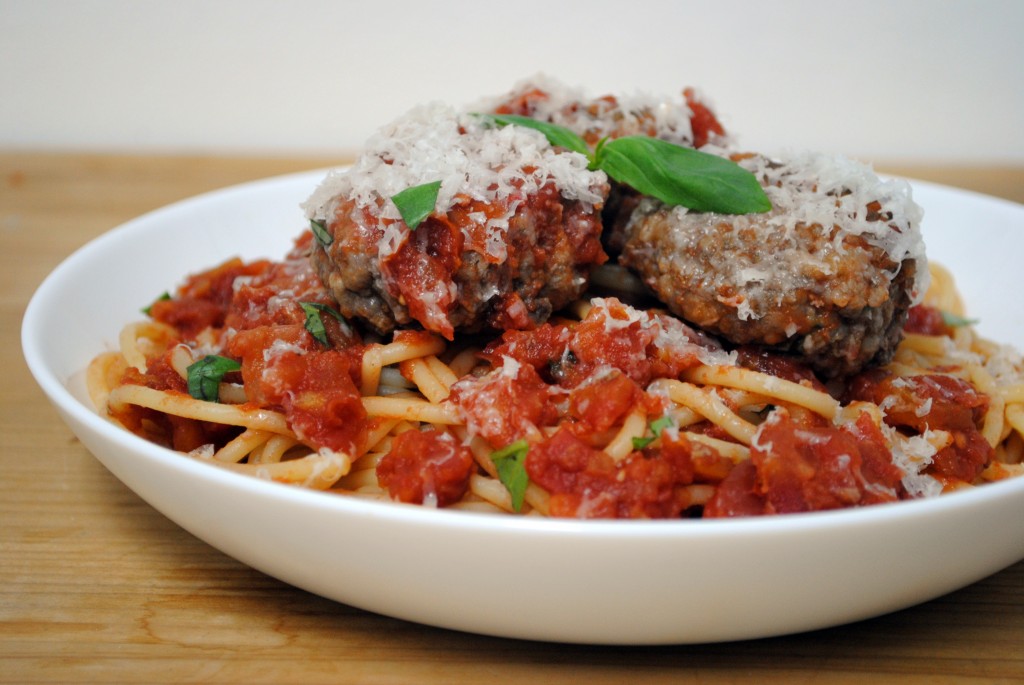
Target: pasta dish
[{"x": 548, "y": 304}]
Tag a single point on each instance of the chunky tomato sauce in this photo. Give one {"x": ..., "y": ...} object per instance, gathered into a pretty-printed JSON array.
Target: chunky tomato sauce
[
  {"x": 935, "y": 402},
  {"x": 702, "y": 120},
  {"x": 253, "y": 311},
  {"x": 426, "y": 467},
  {"x": 801, "y": 463},
  {"x": 203, "y": 301},
  {"x": 587, "y": 375}
]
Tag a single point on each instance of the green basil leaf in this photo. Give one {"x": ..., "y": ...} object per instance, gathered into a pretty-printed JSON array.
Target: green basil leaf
[
  {"x": 682, "y": 176},
  {"x": 559, "y": 136},
  {"x": 511, "y": 464},
  {"x": 149, "y": 309},
  {"x": 640, "y": 443},
  {"x": 956, "y": 321},
  {"x": 314, "y": 320},
  {"x": 658, "y": 425},
  {"x": 204, "y": 376},
  {"x": 417, "y": 203},
  {"x": 323, "y": 236}
]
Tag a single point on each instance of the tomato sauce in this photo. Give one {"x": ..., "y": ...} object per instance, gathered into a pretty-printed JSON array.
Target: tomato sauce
[
  {"x": 926, "y": 320},
  {"x": 316, "y": 388},
  {"x": 809, "y": 465},
  {"x": 202, "y": 301},
  {"x": 588, "y": 374},
  {"x": 703, "y": 122},
  {"x": 506, "y": 406},
  {"x": 420, "y": 273},
  {"x": 253, "y": 310},
  {"x": 598, "y": 405},
  {"x": 917, "y": 404},
  {"x": 587, "y": 483},
  {"x": 643, "y": 348},
  {"x": 426, "y": 467}
]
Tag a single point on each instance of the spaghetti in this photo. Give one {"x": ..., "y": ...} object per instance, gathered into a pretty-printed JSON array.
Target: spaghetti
[
  {"x": 672, "y": 426},
  {"x": 365, "y": 362}
]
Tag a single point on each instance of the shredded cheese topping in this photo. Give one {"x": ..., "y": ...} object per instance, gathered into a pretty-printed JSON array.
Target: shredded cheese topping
[
  {"x": 814, "y": 188},
  {"x": 470, "y": 157}
]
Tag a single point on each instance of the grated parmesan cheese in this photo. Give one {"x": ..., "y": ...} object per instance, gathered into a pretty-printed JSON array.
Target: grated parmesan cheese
[
  {"x": 912, "y": 455},
  {"x": 812, "y": 188},
  {"x": 470, "y": 158}
]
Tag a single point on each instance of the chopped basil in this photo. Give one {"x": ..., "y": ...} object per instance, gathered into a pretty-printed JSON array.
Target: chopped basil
[
  {"x": 204, "y": 376},
  {"x": 657, "y": 426},
  {"x": 315, "y": 322},
  {"x": 674, "y": 174},
  {"x": 323, "y": 236},
  {"x": 417, "y": 203},
  {"x": 640, "y": 443},
  {"x": 147, "y": 310},
  {"x": 511, "y": 464},
  {"x": 955, "y": 320}
]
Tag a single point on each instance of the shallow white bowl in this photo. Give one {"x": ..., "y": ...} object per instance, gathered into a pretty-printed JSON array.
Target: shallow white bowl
[{"x": 573, "y": 581}]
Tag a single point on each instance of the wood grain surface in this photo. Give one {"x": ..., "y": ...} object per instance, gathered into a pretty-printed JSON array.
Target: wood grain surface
[{"x": 95, "y": 586}]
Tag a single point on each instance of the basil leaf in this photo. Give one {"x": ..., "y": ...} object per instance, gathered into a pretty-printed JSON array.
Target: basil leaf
[
  {"x": 204, "y": 376},
  {"x": 956, "y": 321},
  {"x": 559, "y": 136},
  {"x": 511, "y": 464},
  {"x": 149, "y": 309},
  {"x": 323, "y": 236},
  {"x": 640, "y": 443},
  {"x": 315, "y": 322},
  {"x": 658, "y": 425},
  {"x": 417, "y": 203},
  {"x": 682, "y": 176}
]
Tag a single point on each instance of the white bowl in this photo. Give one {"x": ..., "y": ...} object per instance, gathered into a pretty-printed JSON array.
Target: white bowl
[{"x": 615, "y": 582}]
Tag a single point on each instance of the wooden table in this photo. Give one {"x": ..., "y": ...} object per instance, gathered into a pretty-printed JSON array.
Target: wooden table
[{"x": 95, "y": 586}]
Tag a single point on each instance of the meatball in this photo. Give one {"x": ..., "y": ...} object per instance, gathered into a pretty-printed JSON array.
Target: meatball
[
  {"x": 828, "y": 274},
  {"x": 514, "y": 232},
  {"x": 688, "y": 121}
]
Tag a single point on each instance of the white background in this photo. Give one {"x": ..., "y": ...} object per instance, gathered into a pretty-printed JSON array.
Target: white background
[{"x": 906, "y": 80}]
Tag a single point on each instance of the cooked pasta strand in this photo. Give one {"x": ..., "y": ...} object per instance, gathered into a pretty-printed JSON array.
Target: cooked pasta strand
[
  {"x": 412, "y": 410},
  {"x": 241, "y": 446},
  {"x": 711, "y": 407},
  {"x": 317, "y": 471},
  {"x": 182, "y": 405},
  {"x": 768, "y": 386},
  {"x": 633, "y": 428}
]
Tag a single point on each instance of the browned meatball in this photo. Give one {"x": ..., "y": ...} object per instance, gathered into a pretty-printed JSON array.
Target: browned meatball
[
  {"x": 513, "y": 236},
  {"x": 828, "y": 274},
  {"x": 688, "y": 121}
]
